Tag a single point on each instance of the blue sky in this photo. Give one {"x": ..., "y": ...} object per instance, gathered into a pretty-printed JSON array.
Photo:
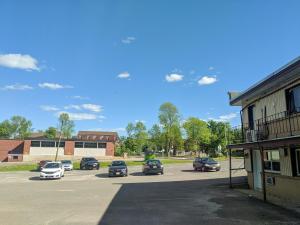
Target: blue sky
[{"x": 113, "y": 62}]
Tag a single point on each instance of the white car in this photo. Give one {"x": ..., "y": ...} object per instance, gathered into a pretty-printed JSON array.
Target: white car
[
  {"x": 67, "y": 164},
  {"x": 52, "y": 170}
]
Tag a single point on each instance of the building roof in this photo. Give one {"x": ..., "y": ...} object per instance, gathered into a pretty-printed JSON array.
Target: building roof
[
  {"x": 281, "y": 76},
  {"x": 97, "y": 133}
]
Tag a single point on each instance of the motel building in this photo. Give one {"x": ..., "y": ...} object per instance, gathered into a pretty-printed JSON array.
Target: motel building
[
  {"x": 270, "y": 130},
  {"x": 97, "y": 144}
]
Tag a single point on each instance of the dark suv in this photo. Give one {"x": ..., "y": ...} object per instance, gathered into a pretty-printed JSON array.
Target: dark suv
[
  {"x": 89, "y": 163},
  {"x": 206, "y": 164},
  {"x": 153, "y": 166}
]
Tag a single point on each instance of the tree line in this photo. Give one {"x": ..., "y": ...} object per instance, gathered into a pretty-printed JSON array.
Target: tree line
[
  {"x": 171, "y": 134},
  {"x": 18, "y": 127}
]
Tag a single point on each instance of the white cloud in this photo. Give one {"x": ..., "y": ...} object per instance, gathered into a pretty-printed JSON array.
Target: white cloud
[
  {"x": 92, "y": 107},
  {"x": 77, "y": 107},
  {"x": 19, "y": 61},
  {"x": 89, "y": 107},
  {"x": 174, "y": 77},
  {"x": 79, "y": 97},
  {"x": 143, "y": 121},
  {"x": 128, "y": 40},
  {"x": 17, "y": 87},
  {"x": 211, "y": 68},
  {"x": 124, "y": 75},
  {"x": 206, "y": 80},
  {"x": 79, "y": 116},
  {"x": 49, "y": 108},
  {"x": 53, "y": 86},
  {"x": 228, "y": 117},
  {"x": 119, "y": 129},
  {"x": 225, "y": 118}
]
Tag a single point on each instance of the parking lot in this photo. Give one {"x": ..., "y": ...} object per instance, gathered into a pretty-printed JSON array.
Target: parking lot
[{"x": 180, "y": 196}]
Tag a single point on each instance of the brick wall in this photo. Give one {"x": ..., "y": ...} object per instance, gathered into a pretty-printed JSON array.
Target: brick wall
[
  {"x": 110, "y": 149},
  {"x": 10, "y": 146},
  {"x": 27, "y": 144},
  {"x": 69, "y": 147}
]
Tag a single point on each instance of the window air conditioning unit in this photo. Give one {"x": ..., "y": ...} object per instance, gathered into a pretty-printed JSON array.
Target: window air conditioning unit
[{"x": 270, "y": 180}]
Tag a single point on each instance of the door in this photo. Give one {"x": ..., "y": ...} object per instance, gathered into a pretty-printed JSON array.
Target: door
[
  {"x": 257, "y": 170},
  {"x": 251, "y": 117}
]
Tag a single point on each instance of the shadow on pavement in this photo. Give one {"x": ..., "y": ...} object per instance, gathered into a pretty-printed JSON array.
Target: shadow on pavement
[
  {"x": 208, "y": 202},
  {"x": 34, "y": 178},
  {"x": 142, "y": 174},
  {"x": 102, "y": 175}
]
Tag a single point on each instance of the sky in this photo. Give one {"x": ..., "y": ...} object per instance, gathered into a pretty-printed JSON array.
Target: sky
[{"x": 108, "y": 63}]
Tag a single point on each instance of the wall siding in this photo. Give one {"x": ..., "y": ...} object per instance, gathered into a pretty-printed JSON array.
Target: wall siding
[
  {"x": 40, "y": 151},
  {"x": 285, "y": 163}
]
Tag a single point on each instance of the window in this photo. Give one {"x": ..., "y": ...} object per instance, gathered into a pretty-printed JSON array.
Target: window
[
  {"x": 35, "y": 144},
  {"x": 90, "y": 144},
  {"x": 61, "y": 144},
  {"x": 101, "y": 145},
  {"x": 15, "y": 157},
  {"x": 48, "y": 143},
  {"x": 78, "y": 144},
  {"x": 293, "y": 99},
  {"x": 298, "y": 161},
  {"x": 272, "y": 161}
]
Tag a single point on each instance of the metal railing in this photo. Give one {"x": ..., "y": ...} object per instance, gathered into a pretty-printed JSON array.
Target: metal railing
[{"x": 279, "y": 125}]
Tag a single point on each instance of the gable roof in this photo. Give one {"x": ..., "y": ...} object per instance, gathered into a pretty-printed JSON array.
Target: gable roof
[{"x": 275, "y": 79}]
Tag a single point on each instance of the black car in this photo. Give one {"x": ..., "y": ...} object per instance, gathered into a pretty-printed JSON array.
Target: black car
[
  {"x": 153, "y": 166},
  {"x": 117, "y": 168},
  {"x": 89, "y": 163},
  {"x": 206, "y": 164}
]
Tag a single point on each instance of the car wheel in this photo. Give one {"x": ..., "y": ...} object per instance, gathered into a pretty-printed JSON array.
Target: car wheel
[
  {"x": 162, "y": 172},
  {"x": 98, "y": 167}
]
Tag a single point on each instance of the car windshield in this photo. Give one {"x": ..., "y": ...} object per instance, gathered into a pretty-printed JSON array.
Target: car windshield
[
  {"x": 153, "y": 162},
  {"x": 209, "y": 160},
  {"x": 66, "y": 161},
  {"x": 90, "y": 159},
  {"x": 52, "y": 165},
  {"x": 118, "y": 163}
]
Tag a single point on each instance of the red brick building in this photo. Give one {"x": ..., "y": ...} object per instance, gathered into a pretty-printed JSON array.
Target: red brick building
[{"x": 87, "y": 143}]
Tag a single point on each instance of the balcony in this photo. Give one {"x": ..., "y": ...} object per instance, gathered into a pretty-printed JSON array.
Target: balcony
[{"x": 278, "y": 126}]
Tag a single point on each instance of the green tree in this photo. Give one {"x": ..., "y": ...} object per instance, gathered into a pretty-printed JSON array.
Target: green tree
[
  {"x": 198, "y": 134},
  {"x": 155, "y": 138},
  {"x": 20, "y": 127},
  {"x": 169, "y": 119},
  {"x": 219, "y": 136},
  {"x": 130, "y": 129},
  {"x": 141, "y": 136},
  {"x": 51, "y": 133},
  {"x": 5, "y": 129},
  {"x": 66, "y": 128}
]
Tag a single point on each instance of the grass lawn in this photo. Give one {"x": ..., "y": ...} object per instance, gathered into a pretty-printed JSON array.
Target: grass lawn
[{"x": 33, "y": 166}]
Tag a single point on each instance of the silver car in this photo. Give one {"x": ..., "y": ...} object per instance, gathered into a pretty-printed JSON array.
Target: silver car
[{"x": 67, "y": 164}]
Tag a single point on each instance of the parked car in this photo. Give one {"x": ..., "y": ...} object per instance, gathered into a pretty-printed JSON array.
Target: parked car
[
  {"x": 153, "y": 166},
  {"x": 42, "y": 163},
  {"x": 52, "y": 170},
  {"x": 89, "y": 163},
  {"x": 117, "y": 168},
  {"x": 67, "y": 164},
  {"x": 206, "y": 164}
]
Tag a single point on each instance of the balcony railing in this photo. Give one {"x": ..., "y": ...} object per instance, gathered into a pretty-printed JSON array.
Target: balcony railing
[{"x": 279, "y": 125}]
